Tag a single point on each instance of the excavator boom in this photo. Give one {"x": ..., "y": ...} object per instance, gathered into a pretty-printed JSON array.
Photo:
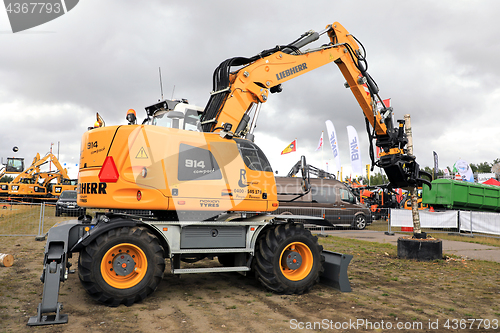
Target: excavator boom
[{"x": 236, "y": 93}]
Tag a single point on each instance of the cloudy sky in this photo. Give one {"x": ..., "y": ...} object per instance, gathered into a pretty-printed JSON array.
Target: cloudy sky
[{"x": 436, "y": 60}]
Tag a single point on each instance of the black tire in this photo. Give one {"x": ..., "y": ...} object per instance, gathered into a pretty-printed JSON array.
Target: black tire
[
  {"x": 107, "y": 286},
  {"x": 58, "y": 213},
  {"x": 270, "y": 251},
  {"x": 359, "y": 222}
]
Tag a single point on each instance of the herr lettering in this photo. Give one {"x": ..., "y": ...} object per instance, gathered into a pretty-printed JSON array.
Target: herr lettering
[{"x": 92, "y": 188}]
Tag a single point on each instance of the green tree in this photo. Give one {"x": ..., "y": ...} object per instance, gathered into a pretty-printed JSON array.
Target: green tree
[
  {"x": 483, "y": 167},
  {"x": 376, "y": 179},
  {"x": 428, "y": 169},
  {"x": 6, "y": 179}
]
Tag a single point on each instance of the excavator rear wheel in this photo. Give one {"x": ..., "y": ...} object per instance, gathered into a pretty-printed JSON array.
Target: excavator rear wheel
[
  {"x": 288, "y": 259},
  {"x": 122, "y": 266}
]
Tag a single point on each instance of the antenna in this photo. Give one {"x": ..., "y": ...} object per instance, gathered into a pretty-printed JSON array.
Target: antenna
[
  {"x": 161, "y": 84},
  {"x": 173, "y": 92}
]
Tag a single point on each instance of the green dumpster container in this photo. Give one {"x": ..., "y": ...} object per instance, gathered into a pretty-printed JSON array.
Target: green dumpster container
[{"x": 456, "y": 194}]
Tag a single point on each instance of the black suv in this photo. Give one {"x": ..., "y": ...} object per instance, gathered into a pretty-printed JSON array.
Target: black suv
[{"x": 67, "y": 204}]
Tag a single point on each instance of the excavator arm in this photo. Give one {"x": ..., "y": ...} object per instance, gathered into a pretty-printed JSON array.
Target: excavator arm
[
  {"x": 33, "y": 171},
  {"x": 237, "y": 95}
]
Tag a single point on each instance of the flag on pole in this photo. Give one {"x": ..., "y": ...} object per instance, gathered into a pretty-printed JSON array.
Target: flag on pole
[
  {"x": 354, "y": 151},
  {"x": 332, "y": 137},
  {"x": 290, "y": 148},
  {"x": 320, "y": 143},
  {"x": 436, "y": 167},
  {"x": 463, "y": 171}
]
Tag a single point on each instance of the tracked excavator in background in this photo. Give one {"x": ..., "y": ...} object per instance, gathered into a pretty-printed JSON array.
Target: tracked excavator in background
[
  {"x": 34, "y": 184},
  {"x": 209, "y": 193}
]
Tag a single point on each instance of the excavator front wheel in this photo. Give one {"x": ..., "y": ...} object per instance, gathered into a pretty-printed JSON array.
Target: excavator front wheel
[
  {"x": 288, "y": 259},
  {"x": 124, "y": 266},
  {"x": 121, "y": 266}
]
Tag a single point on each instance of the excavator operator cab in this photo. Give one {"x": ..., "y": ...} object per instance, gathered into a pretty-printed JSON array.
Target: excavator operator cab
[
  {"x": 182, "y": 116},
  {"x": 14, "y": 165}
]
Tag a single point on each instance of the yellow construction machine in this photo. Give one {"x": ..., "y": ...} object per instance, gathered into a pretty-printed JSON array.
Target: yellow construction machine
[
  {"x": 14, "y": 166},
  {"x": 208, "y": 192},
  {"x": 33, "y": 184}
]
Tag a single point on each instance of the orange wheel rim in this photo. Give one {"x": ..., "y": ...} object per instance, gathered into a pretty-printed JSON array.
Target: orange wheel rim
[
  {"x": 124, "y": 266},
  {"x": 306, "y": 264}
]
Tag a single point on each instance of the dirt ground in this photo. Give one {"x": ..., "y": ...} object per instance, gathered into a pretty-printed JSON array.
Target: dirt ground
[{"x": 419, "y": 297}]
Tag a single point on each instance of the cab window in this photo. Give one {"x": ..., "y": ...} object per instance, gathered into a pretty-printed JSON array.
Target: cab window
[
  {"x": 14, "y": 165},
  {"x": 161, "y": 119},
  {"x": 197, "y": 163},
  {"x": 253, "y": 157},
  {"x": 191, "y": 120}
]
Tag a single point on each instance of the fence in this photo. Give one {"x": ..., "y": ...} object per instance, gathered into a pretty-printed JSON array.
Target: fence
[
  {"x": 453, "y": 220},
  {"x": 24, "y": 219},
  {"x": 30, "y": 219},
  {"x": 35, "y": 219}
]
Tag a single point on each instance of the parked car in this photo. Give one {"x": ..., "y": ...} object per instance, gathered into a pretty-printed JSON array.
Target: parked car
[
  {"x": 67, "y": 204},
  {"x": 329, "y": 199}
]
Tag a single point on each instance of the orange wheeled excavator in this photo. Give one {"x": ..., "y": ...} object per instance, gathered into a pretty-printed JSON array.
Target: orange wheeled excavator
[{"x": 211, "y": 192}]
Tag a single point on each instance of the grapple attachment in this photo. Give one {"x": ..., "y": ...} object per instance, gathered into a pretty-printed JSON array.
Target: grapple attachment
[{"x": 403, "y": 171}]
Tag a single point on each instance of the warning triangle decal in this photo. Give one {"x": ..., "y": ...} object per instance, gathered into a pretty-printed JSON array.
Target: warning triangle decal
[{"x": 142, "y": 154}]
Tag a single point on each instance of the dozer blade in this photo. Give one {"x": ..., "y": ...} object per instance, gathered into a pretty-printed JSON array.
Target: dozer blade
[{"x": 335, "y": 274}]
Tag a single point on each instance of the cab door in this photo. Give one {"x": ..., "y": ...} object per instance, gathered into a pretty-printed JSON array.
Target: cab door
[
  {"x": 325, "y": 203},
  {"x": 347, "y": 205}
]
